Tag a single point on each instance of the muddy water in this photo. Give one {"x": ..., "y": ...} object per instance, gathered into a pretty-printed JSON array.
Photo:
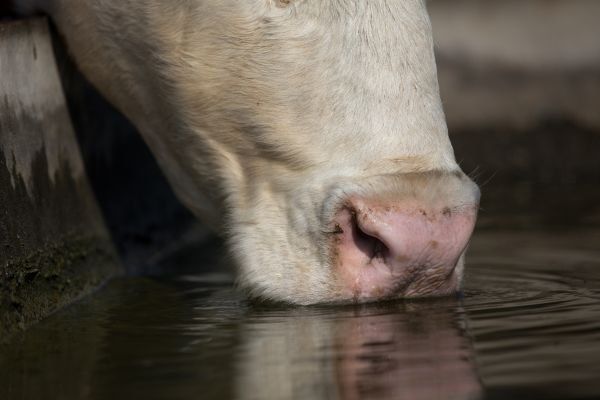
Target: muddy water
[{"x": 527, "y": 327}]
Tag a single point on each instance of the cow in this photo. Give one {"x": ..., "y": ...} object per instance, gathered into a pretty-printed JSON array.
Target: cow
[{"x": 308, "y": 133}]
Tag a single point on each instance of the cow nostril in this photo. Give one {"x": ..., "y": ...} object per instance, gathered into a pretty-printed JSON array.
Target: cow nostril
[
  {"x": 368, "y": 244},
  {"x": 380, "y": 250}
]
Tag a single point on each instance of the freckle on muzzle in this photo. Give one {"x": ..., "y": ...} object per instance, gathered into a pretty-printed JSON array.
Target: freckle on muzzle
[{"x": 405, "y": 242}]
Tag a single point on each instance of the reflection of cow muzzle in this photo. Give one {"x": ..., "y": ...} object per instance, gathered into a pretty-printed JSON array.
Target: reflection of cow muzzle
[{"x": 375, "y": 352}]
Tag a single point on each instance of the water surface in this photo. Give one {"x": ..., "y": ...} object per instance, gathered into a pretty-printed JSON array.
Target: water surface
[{"x": 527, "y": 327}]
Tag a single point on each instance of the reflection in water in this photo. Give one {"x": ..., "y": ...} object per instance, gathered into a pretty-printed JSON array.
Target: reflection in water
[
  {"x": 413, "y": 351},
  {"x": 145, "y": 339},
  {"x": 530, "y": 317},
  {"x": 417, "y": 355}
]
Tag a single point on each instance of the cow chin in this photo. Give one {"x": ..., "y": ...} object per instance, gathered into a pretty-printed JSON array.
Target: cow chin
[
  {"x": 279, "y": 255},
  {"x": 358, "y": 240}
]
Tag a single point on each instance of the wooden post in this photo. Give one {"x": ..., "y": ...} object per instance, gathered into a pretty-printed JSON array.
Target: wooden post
[{"x": 54, "y": 247}]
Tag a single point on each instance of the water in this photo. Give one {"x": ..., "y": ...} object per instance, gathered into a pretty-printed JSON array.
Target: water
[{"x": 527, "y": 327}]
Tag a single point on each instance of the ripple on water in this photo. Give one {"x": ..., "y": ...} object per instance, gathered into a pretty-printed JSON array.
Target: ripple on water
[{"x": 534, "y": 313}]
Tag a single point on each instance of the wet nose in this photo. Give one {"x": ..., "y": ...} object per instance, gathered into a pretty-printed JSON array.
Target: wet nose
[{"x": 387, "y": 249}]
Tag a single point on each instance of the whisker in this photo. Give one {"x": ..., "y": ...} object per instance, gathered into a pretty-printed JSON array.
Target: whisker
[{"x": 489, "y": 179}]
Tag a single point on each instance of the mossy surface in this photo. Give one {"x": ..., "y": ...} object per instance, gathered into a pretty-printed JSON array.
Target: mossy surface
[{"x": 49, "y": 278}]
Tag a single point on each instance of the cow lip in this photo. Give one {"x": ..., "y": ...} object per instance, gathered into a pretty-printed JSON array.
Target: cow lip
[{"x": 403, "y": 286}]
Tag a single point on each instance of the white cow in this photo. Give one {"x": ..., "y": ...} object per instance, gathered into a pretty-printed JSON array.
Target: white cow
[{"x": 309, "y": 133}]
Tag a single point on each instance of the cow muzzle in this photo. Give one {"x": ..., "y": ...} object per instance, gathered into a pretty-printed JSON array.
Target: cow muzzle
[{"x": 386, "y": 249}]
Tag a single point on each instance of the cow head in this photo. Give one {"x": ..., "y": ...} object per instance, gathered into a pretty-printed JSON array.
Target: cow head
[
  {"x": 309, "y": 133},
  {"x": 320, "y": 129}
]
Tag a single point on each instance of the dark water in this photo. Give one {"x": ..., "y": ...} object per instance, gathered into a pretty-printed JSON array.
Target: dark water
[{"x": 527, "y": 327}]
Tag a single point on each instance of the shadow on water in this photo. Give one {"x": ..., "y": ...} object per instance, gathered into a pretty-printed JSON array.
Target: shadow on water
[{"x": 528, "y": 326}]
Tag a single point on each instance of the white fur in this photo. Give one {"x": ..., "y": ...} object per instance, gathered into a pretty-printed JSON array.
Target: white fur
[{"x": 265, "y": 113}]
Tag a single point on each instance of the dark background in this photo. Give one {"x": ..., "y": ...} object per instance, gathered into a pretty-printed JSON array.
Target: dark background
[{"x": 520, "y": 82}]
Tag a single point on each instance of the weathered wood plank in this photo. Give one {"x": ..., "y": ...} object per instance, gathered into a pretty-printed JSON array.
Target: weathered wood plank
[{"x": 53, "y": 243}]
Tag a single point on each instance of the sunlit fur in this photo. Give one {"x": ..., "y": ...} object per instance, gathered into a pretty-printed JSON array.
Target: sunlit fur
[{"x": 259, "y": 110}]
